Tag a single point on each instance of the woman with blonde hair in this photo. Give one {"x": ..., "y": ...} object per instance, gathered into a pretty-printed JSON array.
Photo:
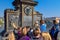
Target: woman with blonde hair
[
  {"x": 11, "y": 36},
  {"x": 24, "y": 34}
]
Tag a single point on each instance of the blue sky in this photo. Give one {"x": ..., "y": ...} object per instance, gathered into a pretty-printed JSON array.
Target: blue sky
[{"x": 49, "y": 8}]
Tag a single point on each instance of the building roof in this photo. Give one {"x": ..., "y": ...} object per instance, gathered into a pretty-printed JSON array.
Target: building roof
[
  {"x": 16, "y": 2},
  {"x": 37, "y": 13}
]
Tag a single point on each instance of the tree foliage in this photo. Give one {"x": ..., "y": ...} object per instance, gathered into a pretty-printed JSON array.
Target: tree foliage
[{"x": 1, "y": 22}]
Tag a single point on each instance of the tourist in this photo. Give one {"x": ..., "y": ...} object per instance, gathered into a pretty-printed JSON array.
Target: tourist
[
  {"x": 15, "y": 33},
  {"x": 36, "y": 35},
  {"x": 28, "y": 28},
  {"x": 19, "y": 34},
  {"x": 36, "y": 24},
  {"x": 56, "y": 24},
  {"x": 45, "y": 34},
  {"x": 55, "y": 30},
  {"x": 11, "y": 35},
  {"x": 24, "y": 36},
  {"x": 42, "y": 26},
  {"x": 28, "y": 31}
]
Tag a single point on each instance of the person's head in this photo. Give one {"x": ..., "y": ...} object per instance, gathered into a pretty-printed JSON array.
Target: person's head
[
  {"x": 19, "y": 28},
  {"x": 53, "y": 28},
  {"x": 42, "y": 21},
  {"x": 36, "y": 22},
  {"x": 28, "y": 28},
  {"x": 36, "y": 32},
  {"x": 39, "y": 29},
  {"x": 24, "y": 30},
  {"x": 55, "y": 21}
]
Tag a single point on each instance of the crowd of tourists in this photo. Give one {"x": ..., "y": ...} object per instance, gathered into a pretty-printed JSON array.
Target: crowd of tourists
[{"x": 38, "y": 32}]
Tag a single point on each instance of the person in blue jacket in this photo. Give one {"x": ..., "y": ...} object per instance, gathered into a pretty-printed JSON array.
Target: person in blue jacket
[
  {"x": 42, "y": 26},
  {"x": 55, "y": 29}
]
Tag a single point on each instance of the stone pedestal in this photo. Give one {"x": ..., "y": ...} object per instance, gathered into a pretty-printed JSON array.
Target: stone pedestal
[{"x": 22, "y": 15}]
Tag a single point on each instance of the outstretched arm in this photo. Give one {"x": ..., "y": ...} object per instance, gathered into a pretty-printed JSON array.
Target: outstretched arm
[{"x": 14, "y": 25}]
